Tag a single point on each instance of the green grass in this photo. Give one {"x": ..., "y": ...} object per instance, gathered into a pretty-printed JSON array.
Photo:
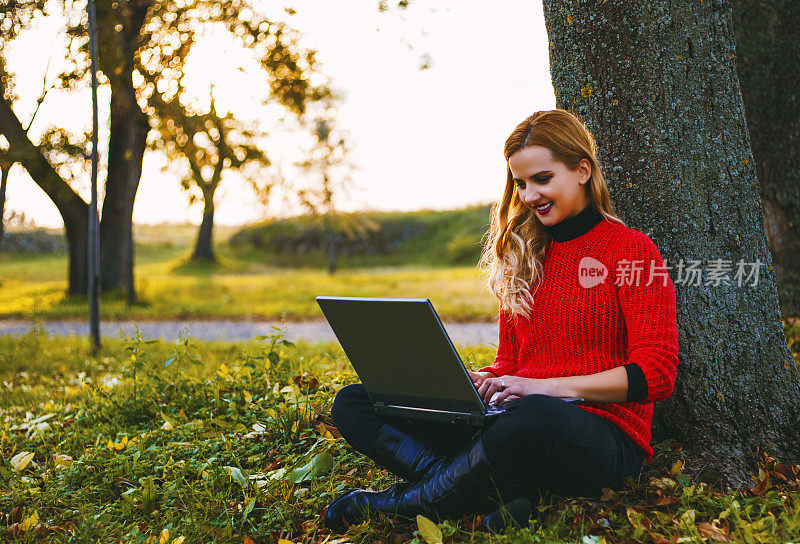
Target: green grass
[
  {"x": 170, "y": 286},
  {"x": 368, "y": 239},
  {"x": 158, "y": 441}
]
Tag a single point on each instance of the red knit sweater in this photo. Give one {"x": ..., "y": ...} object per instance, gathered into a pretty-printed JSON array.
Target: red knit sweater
[{"x": 578, "y": 327}]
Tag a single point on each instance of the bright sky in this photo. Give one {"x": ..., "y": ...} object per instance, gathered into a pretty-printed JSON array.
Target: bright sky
[{"x": 422, "y": 139}]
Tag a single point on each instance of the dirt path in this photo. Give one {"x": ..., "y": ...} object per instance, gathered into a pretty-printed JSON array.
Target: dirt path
[{"x": 311, "y": 331}]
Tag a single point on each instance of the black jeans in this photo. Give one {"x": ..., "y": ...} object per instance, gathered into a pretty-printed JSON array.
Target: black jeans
[{"x": 548, "y": 445}]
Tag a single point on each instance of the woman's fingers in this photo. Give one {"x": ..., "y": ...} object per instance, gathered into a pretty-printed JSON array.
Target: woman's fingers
[
  {"x": 506, "y": 394},
  {"x": 489, "y": 387},
  {"x": 484, "y": 387},
  {"x": 510, "y": 389},
  {"x": 487, "y": 383},
  {"x": 476, "y": 378}
]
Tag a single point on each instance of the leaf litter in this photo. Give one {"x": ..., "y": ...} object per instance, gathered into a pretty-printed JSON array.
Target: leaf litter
[{"x": 175, "y": 450}]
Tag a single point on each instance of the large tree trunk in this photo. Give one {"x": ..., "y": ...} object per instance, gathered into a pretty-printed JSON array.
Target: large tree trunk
[
  {"x": 656, "y": 84},
  {"x": 77, "y": 233},
  {"x": 3, "y": 184},
  {"x": 204, "y": 249},
  {"x": 767, "y": 53},
  {"x": 119, "y": 32},
  {"x": 74, "y": 211},
  {"x": 126, "y": 147}
]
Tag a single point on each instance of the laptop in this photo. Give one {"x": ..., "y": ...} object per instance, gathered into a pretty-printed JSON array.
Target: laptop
[{"x": 406, "y": 361}]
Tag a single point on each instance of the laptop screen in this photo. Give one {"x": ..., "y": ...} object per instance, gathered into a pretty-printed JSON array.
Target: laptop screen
[{"x": 401, "y": 352}]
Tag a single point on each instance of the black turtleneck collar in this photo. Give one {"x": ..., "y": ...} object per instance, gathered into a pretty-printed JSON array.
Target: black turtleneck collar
[{"x": 575, "y": 226}]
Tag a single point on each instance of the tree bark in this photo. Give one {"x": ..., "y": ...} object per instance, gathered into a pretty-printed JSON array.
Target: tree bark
[
  {"x": 767, "y": 53},
  {"x": 126, "y": 148},
  {"x": 74, "y": 211},
  {"x": 657, "y": 86},
  {"x": 3, "y": 184},
  {"x": 77, "y": 233},
  {"x": 119, "y": 35},
  {"x": 204, "y": 249}
]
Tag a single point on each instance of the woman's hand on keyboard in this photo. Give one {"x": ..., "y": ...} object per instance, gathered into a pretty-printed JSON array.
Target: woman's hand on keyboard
[
  {"x": 479, "y": 377},
  {"x": 497, "y": 390}
]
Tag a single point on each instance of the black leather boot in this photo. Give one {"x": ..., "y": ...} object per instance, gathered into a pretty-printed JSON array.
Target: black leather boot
[
  {"x": 402, "y": 454},
  {"x": 464, "y": 484},
  {"x": 516, "y": 513}
]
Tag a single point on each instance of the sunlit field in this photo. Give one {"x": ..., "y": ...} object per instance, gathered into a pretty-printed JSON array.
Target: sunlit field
[{"x": 240, "y": 286}]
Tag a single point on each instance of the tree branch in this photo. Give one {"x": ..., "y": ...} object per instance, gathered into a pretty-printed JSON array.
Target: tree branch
[{"x": 22, "y": 150}]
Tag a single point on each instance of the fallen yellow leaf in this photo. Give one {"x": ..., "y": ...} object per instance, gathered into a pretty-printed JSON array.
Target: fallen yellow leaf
[
  {"x": 122, "y": 444},
  {"x": 21, "y": 460},
  {"x": 168, "y": 424},
  {"x": 429, "y": 530},
  {"x": 62, "y": 460},
  {"x": 29, "y": 522}
]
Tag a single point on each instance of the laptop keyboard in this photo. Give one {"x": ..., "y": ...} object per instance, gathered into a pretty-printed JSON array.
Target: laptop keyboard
[{"x": 493, "y": 408}]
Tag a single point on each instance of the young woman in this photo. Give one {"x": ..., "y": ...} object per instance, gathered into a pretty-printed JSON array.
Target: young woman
[{"x": 586, "y": 309}]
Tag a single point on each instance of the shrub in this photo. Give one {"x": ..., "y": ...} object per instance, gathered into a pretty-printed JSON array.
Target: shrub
[{"x": 32, "y": 241}]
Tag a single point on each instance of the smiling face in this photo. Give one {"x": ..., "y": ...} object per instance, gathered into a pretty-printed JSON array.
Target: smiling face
[{"x": 542, "y": 181}]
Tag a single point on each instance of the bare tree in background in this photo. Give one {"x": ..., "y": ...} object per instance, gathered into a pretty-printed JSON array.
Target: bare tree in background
[
  {"x": 205, "y": 145},
  {"x": 327, "y": 179}
]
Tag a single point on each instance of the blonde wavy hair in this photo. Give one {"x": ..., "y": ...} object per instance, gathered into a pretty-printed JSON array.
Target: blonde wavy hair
[{"x": 515, "y": 246}]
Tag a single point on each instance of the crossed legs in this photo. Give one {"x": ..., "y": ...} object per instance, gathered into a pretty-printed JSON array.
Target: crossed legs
[{"x": 540, "y": 444}]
